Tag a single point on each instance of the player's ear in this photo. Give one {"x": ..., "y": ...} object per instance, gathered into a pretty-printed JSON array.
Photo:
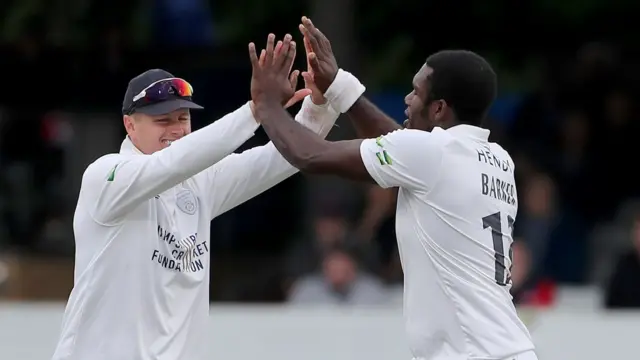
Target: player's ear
[
  {"x": 439, "y": 108},
  {"x": 129, "y": 123}
]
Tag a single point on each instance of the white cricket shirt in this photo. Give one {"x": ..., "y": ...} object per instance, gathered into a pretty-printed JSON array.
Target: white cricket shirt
[
  {"x": 457, "y": 203},
  {"x": 141, "y": 289}
]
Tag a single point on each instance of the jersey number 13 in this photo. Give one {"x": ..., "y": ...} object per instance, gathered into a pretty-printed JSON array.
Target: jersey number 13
[{"x": 494, "y": 221}]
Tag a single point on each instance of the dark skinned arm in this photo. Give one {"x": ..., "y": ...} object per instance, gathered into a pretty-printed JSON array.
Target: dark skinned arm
[
  {"x": 369, "y": 121},
  {"x": 307, "y": 151},
  {"x": 345, "y": 94}
]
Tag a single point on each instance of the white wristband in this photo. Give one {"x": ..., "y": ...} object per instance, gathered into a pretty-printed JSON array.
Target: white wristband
[{"x": 344, "y": 91}]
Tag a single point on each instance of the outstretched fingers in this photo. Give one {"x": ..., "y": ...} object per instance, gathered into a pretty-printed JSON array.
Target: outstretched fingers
[
  {"x": 253, "y": 57},
  {"x": 281, "y": 57},
  {"x": 290, "y": 58},
  {"x": 293, "y": 79},
  {"x": 270, "y": 49},
  {"x": 305, "y": 29},
  {"x": 318, "y": 40}
]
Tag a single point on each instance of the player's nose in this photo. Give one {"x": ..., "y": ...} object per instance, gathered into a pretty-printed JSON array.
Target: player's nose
[
  {"x": 177, "y": 131},
  {"x": 407, "y": 98}
]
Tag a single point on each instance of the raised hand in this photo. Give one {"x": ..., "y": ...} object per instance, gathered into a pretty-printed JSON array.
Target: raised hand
[
  {"x": 319, "y": 55},
  {"x": 272, "y": 79},
  {"x": 317, "y": 95}
]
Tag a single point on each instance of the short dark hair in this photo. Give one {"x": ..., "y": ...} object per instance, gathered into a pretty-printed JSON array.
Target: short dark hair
[{"x": 466, "y": 81}]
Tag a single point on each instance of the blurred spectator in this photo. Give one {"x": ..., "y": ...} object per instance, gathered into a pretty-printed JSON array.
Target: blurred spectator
[
  {"x": 623, "y": 290},
  {"x": 554, "y": 235},
  {"x": 535, "y": 222},
  {"x": 4, "y": 276},
  {"x": 520, "y": 270},
  {"x": 341, "y": 281},
  {"x": 329, "y": 229}
]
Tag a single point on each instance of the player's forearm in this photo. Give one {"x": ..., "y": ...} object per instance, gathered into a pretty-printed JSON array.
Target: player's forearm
[
  {"x": 345, "y": 95},
  {"x": 318, "y": 118},
  {"x": 369, "y": 121},
  {"x": 205, "y": 147},
  {"x": 240, "y": 177},
  {"x": 297, "y": 144},
  {"x": 133, "y": 180}
]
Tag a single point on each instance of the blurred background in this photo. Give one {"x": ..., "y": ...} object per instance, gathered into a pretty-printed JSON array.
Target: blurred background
[{"x": 567, "y": 112}]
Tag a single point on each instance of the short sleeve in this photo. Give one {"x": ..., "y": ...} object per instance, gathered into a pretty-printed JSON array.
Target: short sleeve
[{"x": 404, "y": 158}]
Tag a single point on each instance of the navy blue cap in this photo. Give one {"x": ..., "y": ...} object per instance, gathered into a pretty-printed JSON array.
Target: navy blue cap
[{"x": 141, "y": 82}]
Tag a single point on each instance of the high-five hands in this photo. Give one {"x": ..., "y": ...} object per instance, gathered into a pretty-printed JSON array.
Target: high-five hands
[
  {"x": 272, "y": 79},
  {"x": 321, "y": 61}
]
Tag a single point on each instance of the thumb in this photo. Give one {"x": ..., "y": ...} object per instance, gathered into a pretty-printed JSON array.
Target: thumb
[
  {"x": 310, "y": 83},
  {"x": 316, "y": 95},
  {"x": 308, "y": 79},
  {"x": 313, "y": 61},
  {"x": 297, "y": 96}
]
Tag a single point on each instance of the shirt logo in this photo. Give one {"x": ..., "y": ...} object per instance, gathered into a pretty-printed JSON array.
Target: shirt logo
[
  {"x": 382, "y": 156},
  {"x": 186, "y": 202},
  {"x": 112, "y": 173}
]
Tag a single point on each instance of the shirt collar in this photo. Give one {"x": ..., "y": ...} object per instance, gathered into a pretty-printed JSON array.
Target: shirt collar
[
  {"x": 469, "y": 131},
  {"x": 128, "y": 148}
]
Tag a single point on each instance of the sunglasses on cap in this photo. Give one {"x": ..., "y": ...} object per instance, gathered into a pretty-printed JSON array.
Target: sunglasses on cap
[
  {"x": 162, "y": 90},
  {"x": 160, "y": 97}
]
